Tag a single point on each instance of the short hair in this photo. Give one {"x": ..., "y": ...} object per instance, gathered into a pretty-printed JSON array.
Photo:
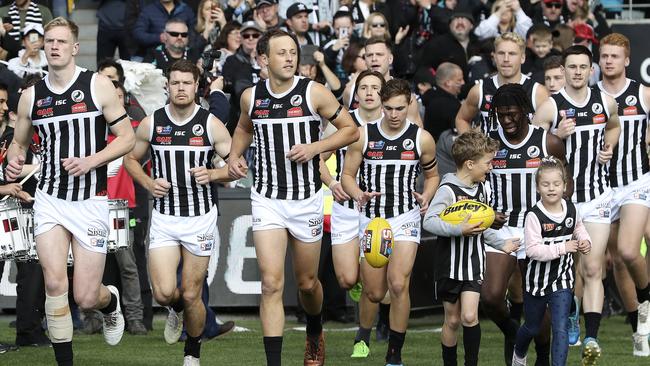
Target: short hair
[
  {"x": 63, "y": 22},
  {"x": 30, "y": 80},
  {"x": 550, "y": 163},
  {"x": 263, "y": 45},
  {"x": 119, "y": 85},
  {"x": 446, "y": 71},
  {"x": 176, "y": 21},
  {"x": 109, "y": 62},
  {"x": 394, "y": 88},
  {"x": 365, "y": 73},
  {"x": 472, "y": 145},
  {"x": 343, "y": 14},
  {"x": 510, "y": 95},
  {"x": 541, "y": 33},
  {"x": 377, "y": 40},
  {"x": 512, "y": 37},
  {"x": 552, "y": 62},
  {"x": 4, "y": 87},
  {"x": 617, "y": 39},
  {"x": 576, "y": 50},
  {"x": 222, "y": 39},
  {"x": 184, "y": 66}
]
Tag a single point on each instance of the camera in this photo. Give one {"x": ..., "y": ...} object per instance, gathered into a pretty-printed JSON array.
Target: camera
[{"x": 208, "y": 58}]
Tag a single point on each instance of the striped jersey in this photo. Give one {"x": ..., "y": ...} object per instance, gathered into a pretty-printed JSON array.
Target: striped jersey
[
  {"x": 176, "y": 147},
  {"x": 340, "y": 153},
  {"x": 461, "y": 258},
  {"x": 630, "y": 159},
  {"x": 512, "y": 179},
  {"x": 69, "y": 124},
  {"x": 281, "y": 121},
  {"x": 589, "y": 176},
  {"x": 391, "y": 166},
  {"x": 543, "y": 278},
  {"x": 488, "y": 87}
]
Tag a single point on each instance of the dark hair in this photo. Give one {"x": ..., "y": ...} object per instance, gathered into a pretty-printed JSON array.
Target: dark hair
[
  {"x": 350, "y": 57},
  {"x": 119, "y": 85},
  {"x": 265, "y": 41},
  {"x": 550, "y": 163},
  {"x": 4, "y": 87},
  {"x": 376, "y": 40},
  {"x": 394, "y": 88},
  {"x": 552, "y": 62},
  {"x": 343, "y": 14},
  {"x": 366, "y": 73},
  {"x": 510, "y": 95},
  {"x": 30, "y": 80},
  {"x": 185, "y": 66},
  {"x": 222, "y": 39},
  {"x": 109, "y": 62},
  {"x": 472, "y": 145},
  {"x": 576, "y": 50}
]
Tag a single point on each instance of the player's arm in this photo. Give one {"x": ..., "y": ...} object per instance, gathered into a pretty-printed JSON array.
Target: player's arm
[
  {"x": 612, "y": 131},
  {"x": 241, "y": 139},
  {"x": 544, "y": 115},
  {"x": 353, "y": 160},
  {"x": 468, "y": 110},
  {"x": 335, "y": 186},
  {"x": 132, "y": 159},
  {"x": 541, "y": 95},
  {"x": 413, "y": 113},
  {"x": 645, "y": 93},
  {"x": 347, "y": 93},
  {"x": 221, "y": 144},
  {"x": 430, "y": 168},
  {"x": 556, "y": 148},
  {"x": 17, "y": 152}
]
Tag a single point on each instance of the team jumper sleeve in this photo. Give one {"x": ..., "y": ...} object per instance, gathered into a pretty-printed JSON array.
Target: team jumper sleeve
[{"x": 432, "y": 221}]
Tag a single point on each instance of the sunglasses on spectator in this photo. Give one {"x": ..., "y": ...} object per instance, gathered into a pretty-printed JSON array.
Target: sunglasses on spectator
[
  {"x": 176, "y": 34},
  {"x": 250, "y": 35},
  {"x": 378, "y": 25},
  {"x": 554, "y": 5}
]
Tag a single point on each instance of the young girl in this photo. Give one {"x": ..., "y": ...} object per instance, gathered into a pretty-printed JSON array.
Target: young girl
[{"x": 553, "y": 231}]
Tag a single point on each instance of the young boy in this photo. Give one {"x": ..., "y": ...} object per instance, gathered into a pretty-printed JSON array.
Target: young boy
[
  {"x": 460, "y": 250},
  {"x": 553, "y": 74},
  {"x": 540, "y": 47}
]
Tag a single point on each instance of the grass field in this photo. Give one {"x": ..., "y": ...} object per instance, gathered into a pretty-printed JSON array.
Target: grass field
[{"x": 245, "y": 348}]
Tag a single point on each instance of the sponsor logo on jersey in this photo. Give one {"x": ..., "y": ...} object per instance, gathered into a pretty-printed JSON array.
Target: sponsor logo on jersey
[
  {"x": 45, "y": 102},
  {"x": 262, "y": 103},
  {"x": 196, "y": 141},
  {"x": 94, "y": 231},
  {"x": 375, "y": 154},
  {"x": 61, "y": 102},
  {"x": 411, "y": 232},
  {"x": 97, "y": 242},
  {"x": 407, "y": 155},
  {"x": 163, "y": 130},
  {"x": 45, "y": 112},
  {"x": 294, "y": 112},
  {"x": 261, "y": 113},
  {"x": 533, "y": 163},
  {"x": 599, "y": 118},
  {"x": 277, "y": 106},
  {"x": 197, "y": 130},
  {"x": 179, "y": 133},
  {"x": 501, "y": 154},
  {"x": 79, "y": 108},
  {"x": 376, "y": 145},
  {"x": 548, "y": 227},
  {"x": 316, "y": 231},
  {"x": 630, "y": 111},
  {"x": 391, "y": 148},
  {"x": 597, "y": 108},
  {"x": 499, "y": 163},
  {"x": 296, "y": 100},
  {"x": 408, "y": 144},
  {"x": 164, "y": 140},
  {"x": 533, "y": 151},
  {"x": 630, "y": 100},
  {"x": 206, "y": 241},
  {"x": 569, "y": 222},
  {"x": 410, "y": 225},
  {"x": 315, "y": 222},
  {"x": 568, "y": 113},
  {"x": 77, "y": 96}
]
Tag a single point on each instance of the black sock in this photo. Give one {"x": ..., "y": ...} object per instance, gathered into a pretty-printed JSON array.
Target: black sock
[
  {"x": 633, "y": 317},
  {"x": 395, "y": 343},
  {"x": 273, "y": 349},
  {"x": 193, "y": 346},
  {"x": 516, "y": 309},
  {"x": 643, "y": 294},
  {"x": 112, "y": 305},
  {"x": 543, "y": 353},
  {"x": 363, "y": 334},
  {"x": 592, "y": 323},
  {"x": 63, "y": 353},
  {"x": 314, "y": 325},
  {"x": 384, "y": 311},
  {"x": 178, "y": 306},
  {"x": 449, "y": 357},
  {"x": 471, "y": 343},
  {"x": 508, "y": 327}
]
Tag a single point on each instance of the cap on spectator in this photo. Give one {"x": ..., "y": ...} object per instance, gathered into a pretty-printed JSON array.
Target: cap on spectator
[
  {"x": 259, "y": 3},
  {"x": 33, "y": 27},
  {"x": 307, "y": 54},
  {"x": 461, "y": 14},
  {"x": 250, "y": 25},
  {"x": 585, "y": 31},
  {"x": 425, "y": 75},
  {"x": 296, "y": 8},
  {"x": 343, "y": 11},
  {"x": 553, "y": 1}
]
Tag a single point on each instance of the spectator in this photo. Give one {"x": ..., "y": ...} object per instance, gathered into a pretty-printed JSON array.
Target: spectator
[
  {"x": 31, "y": 59},
  {"x": 312, "y": 65},
  {"x": 9, "y": 47},
  {"x": 174, "y": 47},
  {"x": 361, "y": 10},
  {"x": 584, "y": 36},
  {"x": 563, "y": 37},
  {"x": 507, "y": 16},
  {"x": 237, "y": 10},
  {"x": 440, "y": 16},
  {"x": 24, "y": 12},
  {"x": 210, "y": 20},
  {"x": 481, "y": 65},
  {"x": 441, "y": 103},
  {"x": 321, "y": 18},
  {"x": 579, "y": 11},
  {"x": 298, "y": 23},
  {"x": 335, "y": 49},
  {"x": 228, "y": 42},
  {"x": 149, "y": 30},
  {"x": 553, "y": 74},
  {"x": 111, "y": 30},
  {"x": 114, "y": 71},
  {"x": 375, "y": 25},
  {"x": 539, "y": 47},
  {"x": 266, "y": 15},
  {"x": 353, "y": 60},
  {"x": 550, "y": 14}
]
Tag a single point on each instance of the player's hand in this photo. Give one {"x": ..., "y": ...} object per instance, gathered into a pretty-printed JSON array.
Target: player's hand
[
  {"x": 77, "y": 166},
  {"x": 201, "y": 174},
  {"x": 302, "y": 153},
  {"x": 571, "y": 246},
  {"x": 337, "y": 191},
  {"x": 423, "y": 202},
  {"x": 11, "y": 189},
  {"x": 605, "y": 154},
  {"x": 24, "y": 197},
  {"x": 237, "y": 168},
  {"x": 511, "y": 245},
  {"x": 14, "y": 168},
  {"x": 499, "y": 220},
  {"x": 159, "y": 187},
  {"x": 566, "y": 127},
  {"x": 584, "y": 246},
  {"x": 468, "y": 229},
  {"x": 364, "y": 197}
]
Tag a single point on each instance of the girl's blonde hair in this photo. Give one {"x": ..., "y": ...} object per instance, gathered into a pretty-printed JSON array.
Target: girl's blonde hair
[{"x": 551, "y": 163}]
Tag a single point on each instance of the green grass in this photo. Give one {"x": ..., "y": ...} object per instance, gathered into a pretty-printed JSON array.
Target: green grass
[{"x": 422, "y": 347}]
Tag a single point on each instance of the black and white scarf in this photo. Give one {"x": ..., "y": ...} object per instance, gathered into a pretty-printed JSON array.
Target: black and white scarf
[{"x": 33, "y": 16}]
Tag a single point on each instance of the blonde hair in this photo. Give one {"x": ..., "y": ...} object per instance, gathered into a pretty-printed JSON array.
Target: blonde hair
[
  {"x": 472, "y": 145},
  {"x": 63, "y": 22},
  {"x": 550, "y": 163},
  {"x": 499, "y": 3},
  {"x": 368, "y": 22},
  {"x": 511, "y": 37},
  {"x": 200, "y": 21}
]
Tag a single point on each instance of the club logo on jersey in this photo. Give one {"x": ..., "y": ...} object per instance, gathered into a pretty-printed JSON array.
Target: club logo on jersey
[
  {"x": 597, "y": 108},
  {"x": 197, "y": 130},
  {"x": 262, "y": 103},
  {"x": 568, "y": 113},
  {"x": 407, "y": 155},
  {"x": 548, "y": 227},
  {"x": 45, "y": 102},
  {"x": 196, "y": 141},
  {"x": 501, "y": 154},
  {"x": 499, "y": 163},
  {"x": 408, "y": 144},
  {"x": 533, "y": 151},
  {"x": 77, "y": 96},
  {"x": 533, "y": 163},
  {"x": 296, "y": 100},
  {"x": 45, "y": 112},
  {"x": 630, "y": 111},
  {"x": 630, "y": 100},
  {"x": 376, "y": 145},
  {"x": 79, "y": 108},
  {"x": 163, "y": 130},
  {"x": 294, "y": 112},
  {"x": 599, "y": 118},
  {"x": 569, "y": 222}
]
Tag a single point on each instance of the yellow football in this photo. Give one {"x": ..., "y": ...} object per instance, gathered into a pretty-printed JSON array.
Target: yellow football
[
  {"x": 477, "y": 212},
  {"x": 377, "y": 242}
]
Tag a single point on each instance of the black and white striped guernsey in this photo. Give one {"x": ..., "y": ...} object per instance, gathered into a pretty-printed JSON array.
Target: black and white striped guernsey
[
  {"x": 177, "y": 147},
  {"x": 340, "y": 153},
  {"x": 281, "y": 121},
  {"x": 512, "y": 179},
  {"x": 543, "y": 278},
  {"x": 590, "y": 178},
  {"x": 488, "y": 87},
  {"x": 461, "y": 258},
  {"x": 391, "y": 166},
  {"x": 630, "y": 159},
  {"x": 69, "y": 124}
]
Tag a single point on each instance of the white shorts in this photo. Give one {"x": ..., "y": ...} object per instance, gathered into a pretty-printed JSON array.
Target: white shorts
[
  {"x": 597, "y": 211},
  {"x": 86, "y": 220},
  {"x": 198, "y": 234},
  {"x": 345, "y": 224},
  {"x": 406, "y": 227},
  {"x": 302, "y": 218},
  {"x": 507, "y": 232},
  {"x": 635, "y": 193}
]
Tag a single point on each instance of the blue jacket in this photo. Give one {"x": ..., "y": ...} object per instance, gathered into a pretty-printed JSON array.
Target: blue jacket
[{"x": 152, "y": 19}]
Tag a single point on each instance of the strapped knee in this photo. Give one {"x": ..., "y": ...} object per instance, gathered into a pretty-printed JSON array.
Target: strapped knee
[{"x": 59, "y": 319}]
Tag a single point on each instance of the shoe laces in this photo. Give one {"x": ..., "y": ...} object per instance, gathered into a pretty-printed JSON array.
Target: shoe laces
[
  {"x": 312, "y": 347},
  {"x": 111, "y": 319}
]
